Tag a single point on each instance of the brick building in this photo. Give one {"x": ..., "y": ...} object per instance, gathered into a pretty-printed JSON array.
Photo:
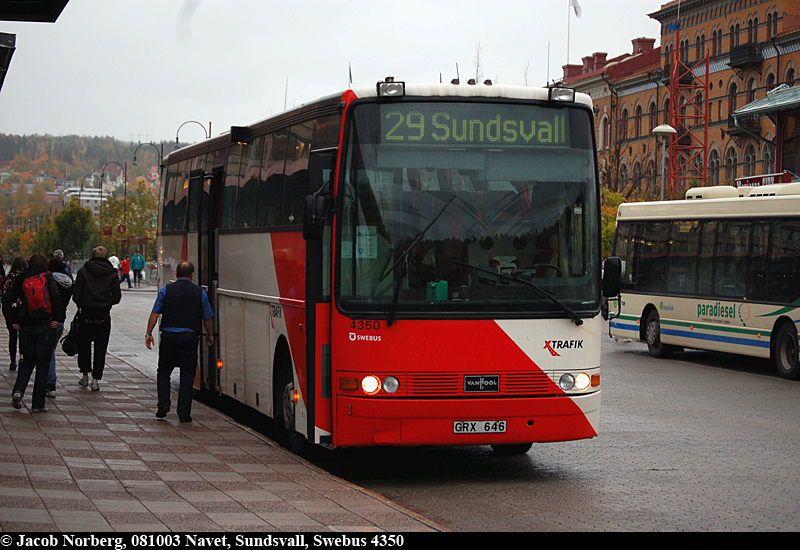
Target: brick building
[{"x": 753, "y": 46}]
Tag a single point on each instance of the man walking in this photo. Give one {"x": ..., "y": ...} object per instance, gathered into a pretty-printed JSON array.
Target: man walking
[
  {"x": 137, "y": 265},
  {"x": 184, "y": 309},
  {"x": 96, "y": 290}
]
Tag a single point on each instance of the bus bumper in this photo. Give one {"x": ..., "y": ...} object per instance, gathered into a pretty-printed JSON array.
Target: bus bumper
[{"x": 409, "y": 422}]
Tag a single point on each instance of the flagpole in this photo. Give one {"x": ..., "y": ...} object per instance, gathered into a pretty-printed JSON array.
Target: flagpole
[{"x": 569, "y": 18}]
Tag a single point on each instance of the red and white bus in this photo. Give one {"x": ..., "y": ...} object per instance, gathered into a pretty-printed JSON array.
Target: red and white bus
[{"x": 400, "y": 265}]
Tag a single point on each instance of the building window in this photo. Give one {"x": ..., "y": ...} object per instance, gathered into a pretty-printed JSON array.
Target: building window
[
  {"x": 713, "y": 167},
  {"x": 751, "y": 90},
  {"x": 770, "y": 84},
  {"x": 750, "y": 161},
  {"x": 653, "y": 116},
  {"x": 637, "y": 129},
  {"x": 731, "y": 162},
  {"x": 732, "y": 99},
  {"x": 790, "y": 76}
]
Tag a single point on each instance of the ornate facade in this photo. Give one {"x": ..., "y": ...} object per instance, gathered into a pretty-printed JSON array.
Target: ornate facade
[{"x": 752, "y": 46}]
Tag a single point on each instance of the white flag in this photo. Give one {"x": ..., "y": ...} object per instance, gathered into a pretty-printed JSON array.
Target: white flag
[{"x": 576, "y": 7}]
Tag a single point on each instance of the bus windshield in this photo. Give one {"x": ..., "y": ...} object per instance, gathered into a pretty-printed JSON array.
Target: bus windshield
[{"x": 460, "y": 206}]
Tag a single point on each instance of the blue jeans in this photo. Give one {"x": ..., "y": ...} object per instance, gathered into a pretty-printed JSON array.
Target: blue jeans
[
  {"x": 36, "y": 345},
  {"x": 51, "y": 378}
]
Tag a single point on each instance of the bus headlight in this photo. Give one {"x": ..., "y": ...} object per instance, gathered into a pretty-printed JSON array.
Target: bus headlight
[
  {"x": 582, "y": 381},
  {"x": 579, "y": 382},
  {"x": 566, "y": 382},
  {"x": 391, "y": 384},
  {"x": 371, "y": 384}
]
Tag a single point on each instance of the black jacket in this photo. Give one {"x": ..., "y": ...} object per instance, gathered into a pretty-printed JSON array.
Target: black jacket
[
  {"x": 65, "y": 285},
  {"x": 96, "y": 287},
  {"x": 19, "y": 315}
]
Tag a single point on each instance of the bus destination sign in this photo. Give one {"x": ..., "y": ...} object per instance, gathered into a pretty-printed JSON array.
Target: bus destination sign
[{"x": 461, "y": 124}]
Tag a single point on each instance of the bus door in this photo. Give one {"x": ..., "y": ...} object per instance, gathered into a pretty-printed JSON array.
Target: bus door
[
  {"x": 321, "y": 167},
  {"x": 204, "y": 221}
]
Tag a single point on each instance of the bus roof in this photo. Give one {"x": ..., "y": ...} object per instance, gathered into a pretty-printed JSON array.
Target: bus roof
[
  {"x": 473, "y": 90},
  {"x": 734, "y": 207},
  {"x": 329, "y": 105}
]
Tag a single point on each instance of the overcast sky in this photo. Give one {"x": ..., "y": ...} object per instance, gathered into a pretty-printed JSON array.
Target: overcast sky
[{"x": 138, "y": 69}]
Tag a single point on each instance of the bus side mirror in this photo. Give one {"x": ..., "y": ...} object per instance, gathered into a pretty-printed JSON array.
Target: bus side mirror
[
  {"x": 611, "y": 277},
  {"x": 314, "y": 219}
]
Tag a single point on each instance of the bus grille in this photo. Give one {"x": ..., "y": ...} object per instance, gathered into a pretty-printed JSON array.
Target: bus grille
[{"x": 447, "y": 384}]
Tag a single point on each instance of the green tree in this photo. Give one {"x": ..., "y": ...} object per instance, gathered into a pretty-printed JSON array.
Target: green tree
[{"x": 76, "y": 230}]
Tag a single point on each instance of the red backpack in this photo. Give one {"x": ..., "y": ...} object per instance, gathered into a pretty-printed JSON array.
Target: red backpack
[{"x": 37, "y": 297}]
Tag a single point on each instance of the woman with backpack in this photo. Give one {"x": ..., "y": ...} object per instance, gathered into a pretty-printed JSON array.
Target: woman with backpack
[
  {"x": 10, "y": 311},
  {"x": 38, "y": 291}
]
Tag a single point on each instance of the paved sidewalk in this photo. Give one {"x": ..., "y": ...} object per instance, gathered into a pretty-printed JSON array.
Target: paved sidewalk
[{"x": 100, "y": 461}]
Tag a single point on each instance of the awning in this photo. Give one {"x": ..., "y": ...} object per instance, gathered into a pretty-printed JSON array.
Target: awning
[
  {"x": 37, "y": 11},
  {"x": 7, "y": 42},
  {"x": 782, "y": 98}
]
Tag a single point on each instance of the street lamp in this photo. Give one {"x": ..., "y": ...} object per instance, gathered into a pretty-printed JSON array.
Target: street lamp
[
  {"x": 159, "y": 152},
  {"x": 207, "y": 134},
  {"x": 664, "y": 131}
]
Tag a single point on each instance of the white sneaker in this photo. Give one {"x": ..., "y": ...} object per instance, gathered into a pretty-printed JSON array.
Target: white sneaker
[
  {"x": 95, "y": 385},
  {"x": 84, "y": 381},
  {"x": 51, "y": 393}
]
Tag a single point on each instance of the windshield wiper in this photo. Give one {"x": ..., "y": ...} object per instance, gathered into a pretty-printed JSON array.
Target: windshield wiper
[
  {"x": 505, "y": 278},
  {"x": 402, "y": 260}
]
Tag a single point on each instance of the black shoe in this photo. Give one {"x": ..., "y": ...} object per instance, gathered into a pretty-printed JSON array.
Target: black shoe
[
  {"x": 13, "y": 365},
  {"x": 187, "y": 419},
  {"x": 161, "y": 413}
]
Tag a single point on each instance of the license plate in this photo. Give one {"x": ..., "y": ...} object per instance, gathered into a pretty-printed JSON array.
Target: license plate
[{"x": 479, "y": 426}]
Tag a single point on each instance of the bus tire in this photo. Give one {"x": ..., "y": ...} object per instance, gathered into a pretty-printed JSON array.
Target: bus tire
[
  {"x": 283, "y": 402},
  {"x": 513, "y": 449},
  {"x": 652, "y": 335},
  {"x": 297, "y": 443},
  {"x": 786, "y": 359}
]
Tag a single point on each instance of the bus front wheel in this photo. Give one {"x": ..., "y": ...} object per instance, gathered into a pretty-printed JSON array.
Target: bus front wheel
[
  {"x": 512, "y": 449},
  {"x": 652, "y": 334},
  {"x": 786, "y": 352}
]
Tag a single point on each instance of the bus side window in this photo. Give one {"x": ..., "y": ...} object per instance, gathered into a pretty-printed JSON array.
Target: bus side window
[
  {"x": 228, "y": 207},
  {"x": 295, "y": 184},
  {"x": 705, "y": 258},
  {"x": 683, "y": 257},
  {"x": 247, "y": 194},
  {"x": 653, "y": 257},
  {"x": 270, "y": 186},
  {"x": 181, "y": 196},
  {"x": 169, "y": 198},
  {"x": 783, "y": 285}
]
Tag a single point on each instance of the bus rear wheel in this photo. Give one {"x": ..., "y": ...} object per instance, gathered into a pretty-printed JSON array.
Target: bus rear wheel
[
  {"x": 652, "y": 334},
  {"x": 786, "y": 359}
]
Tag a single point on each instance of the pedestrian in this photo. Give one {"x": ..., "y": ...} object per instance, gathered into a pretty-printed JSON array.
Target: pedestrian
[
  {"x": 125, "y": 270},
  {"x": 10, "y": 311},
  {"x": 96, "y": 290},
  {"x": 184, "y": 309},
  {"x": 65, "y": 284},
  {"x": 137, "y": 265},
  {"x": 59, "y": 255},
  {"x": 115, "y": 262},
  {"x": 38, "y": 291}
]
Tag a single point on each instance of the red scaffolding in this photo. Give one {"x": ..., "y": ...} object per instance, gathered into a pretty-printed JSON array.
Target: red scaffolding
[{"x": 689, "y": 112}]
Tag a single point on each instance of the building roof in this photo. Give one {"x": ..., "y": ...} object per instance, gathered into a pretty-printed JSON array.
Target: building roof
[{"x": 782, "y": 98}]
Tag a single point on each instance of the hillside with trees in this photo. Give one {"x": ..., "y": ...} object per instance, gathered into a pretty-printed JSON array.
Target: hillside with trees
[{"x": 36, "y": 170}]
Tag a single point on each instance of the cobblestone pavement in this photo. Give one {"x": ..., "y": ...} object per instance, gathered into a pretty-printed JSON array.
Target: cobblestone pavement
[{"x": 100, "y": 461}]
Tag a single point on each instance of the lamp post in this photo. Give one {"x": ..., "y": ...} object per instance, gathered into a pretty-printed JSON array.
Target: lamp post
[
  {"x": 664, "y": 131},
  {"x": 159, "y": 152},
  {"x": 207, "y": 134}
]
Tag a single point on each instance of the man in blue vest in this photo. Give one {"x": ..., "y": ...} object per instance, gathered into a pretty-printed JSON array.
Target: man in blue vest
[{"x": 184, "y": 309}]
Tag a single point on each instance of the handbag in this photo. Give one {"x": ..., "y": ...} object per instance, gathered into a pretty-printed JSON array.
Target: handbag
[{"x": 69, "y": 343}]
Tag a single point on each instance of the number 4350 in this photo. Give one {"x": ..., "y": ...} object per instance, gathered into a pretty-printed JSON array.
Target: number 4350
[{"x": 365, "y": 325}]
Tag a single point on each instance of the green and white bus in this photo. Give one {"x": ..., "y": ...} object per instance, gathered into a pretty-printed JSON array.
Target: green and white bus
[{"x": 719, "y": 274}]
